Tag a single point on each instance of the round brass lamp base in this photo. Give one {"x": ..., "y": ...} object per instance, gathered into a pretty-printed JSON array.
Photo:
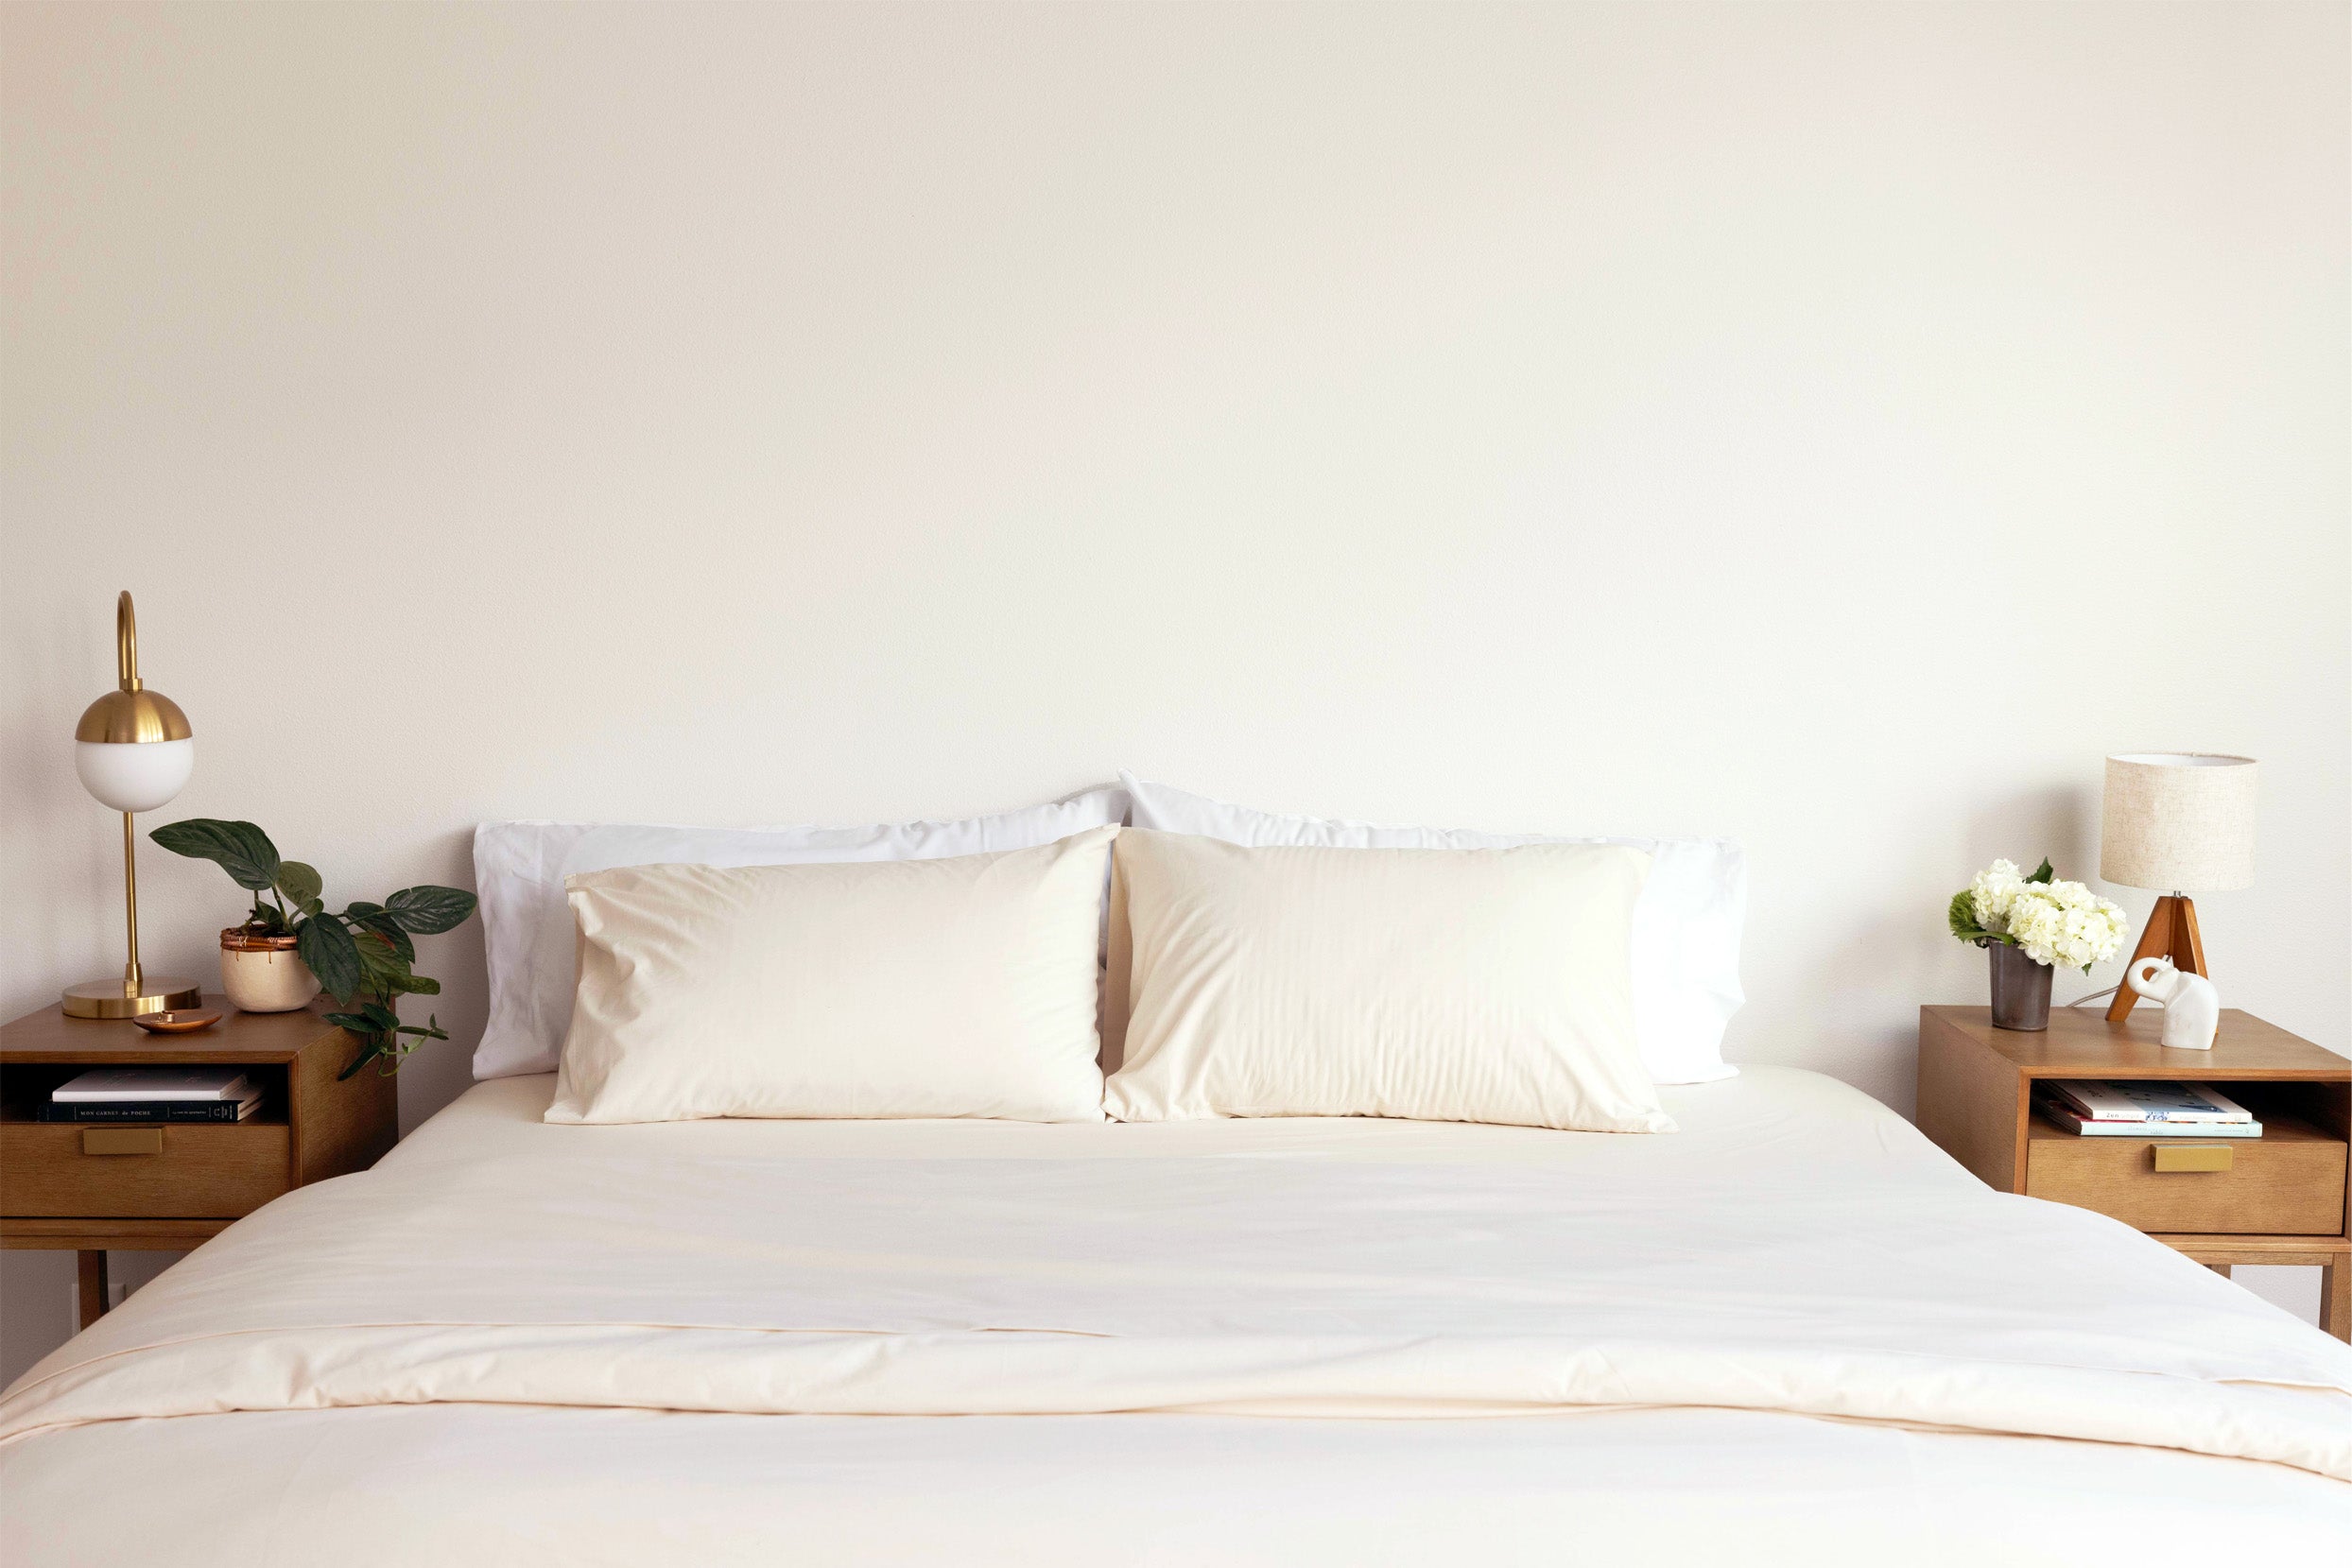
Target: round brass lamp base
[{"x": 107, "y": 999}]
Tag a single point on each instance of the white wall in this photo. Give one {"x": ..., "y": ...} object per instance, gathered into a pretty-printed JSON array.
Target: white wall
[{"x": 1832, "y": 426}]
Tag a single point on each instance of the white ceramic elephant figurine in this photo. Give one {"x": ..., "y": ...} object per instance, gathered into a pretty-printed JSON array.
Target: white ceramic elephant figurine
[{"x": 2192, "y": 1009}]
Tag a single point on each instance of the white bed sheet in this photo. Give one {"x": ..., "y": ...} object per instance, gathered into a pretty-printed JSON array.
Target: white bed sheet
[{"x": 469, "y": 1482}]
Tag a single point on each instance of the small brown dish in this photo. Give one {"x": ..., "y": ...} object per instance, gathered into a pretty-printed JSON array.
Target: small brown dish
[{"x": 187, "y": 1020}]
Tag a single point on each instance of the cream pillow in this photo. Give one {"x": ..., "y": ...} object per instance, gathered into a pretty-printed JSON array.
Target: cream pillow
[
  {"x": 962, "y": 987},
  {"x": 1686, "y": 922},
  {"x": 529, "y": 934},
  {"x": 1444, "y": 985}
]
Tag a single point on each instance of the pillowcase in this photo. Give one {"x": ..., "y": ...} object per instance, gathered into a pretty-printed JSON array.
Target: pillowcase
[
  {"x": 1442, "y": 985},
  {"x": 962, "y": 987},
  {"x": 1686, "y": 929},
  {"x": 519, "y": 870}
]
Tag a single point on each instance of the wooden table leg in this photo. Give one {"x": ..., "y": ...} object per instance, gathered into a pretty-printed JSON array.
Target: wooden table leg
[
  {"x": 92, "y": 1269},
  {"x": 2335, "y": 1298},
  {"x": 2221, "y": 1268}
]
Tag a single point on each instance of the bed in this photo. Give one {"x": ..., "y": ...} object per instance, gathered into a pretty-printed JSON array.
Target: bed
[{"x": 1793, "y": 1332}]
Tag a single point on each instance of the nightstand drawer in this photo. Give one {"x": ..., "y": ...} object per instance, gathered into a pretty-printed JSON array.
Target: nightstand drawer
[
  {"x": 2288, "y": 1182},
  {"x": 195, "y": 1171}
]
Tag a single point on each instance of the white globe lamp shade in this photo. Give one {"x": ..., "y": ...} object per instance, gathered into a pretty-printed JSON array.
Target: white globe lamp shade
[{"x": 135, "y": 775}]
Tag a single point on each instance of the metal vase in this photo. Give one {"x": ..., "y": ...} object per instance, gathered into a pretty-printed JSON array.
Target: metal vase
[{"x": 2021, "y": 989}]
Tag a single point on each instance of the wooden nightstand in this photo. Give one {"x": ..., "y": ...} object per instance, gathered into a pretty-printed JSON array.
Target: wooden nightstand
[
  {"x": 2280, "y": 1198},
  {"x": 167, "y": 1187}
]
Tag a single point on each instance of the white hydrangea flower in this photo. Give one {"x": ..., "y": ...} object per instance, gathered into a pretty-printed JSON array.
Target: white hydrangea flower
[
  {"x": 2064, "y": 922},
  {"x": 1992, "y": 891},
  {"x": 2055, "y": 922}
]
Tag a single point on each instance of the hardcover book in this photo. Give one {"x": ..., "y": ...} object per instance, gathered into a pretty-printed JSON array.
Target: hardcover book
[
  {"x": 2065, "y": 1116},
  {"x": 2139, "y": 1100},
  {"x": 153, "y": 1084},
  {"x": 153, "y": 1110}
]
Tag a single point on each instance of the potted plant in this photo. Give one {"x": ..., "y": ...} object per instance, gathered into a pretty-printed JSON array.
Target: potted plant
[
  {"x": 290, "y": 947},
  {"x": 2026, "y": 925}
]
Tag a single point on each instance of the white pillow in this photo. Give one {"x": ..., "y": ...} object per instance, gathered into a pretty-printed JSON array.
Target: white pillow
[
  {"x": 519, "y": 870},
  {"x": 913, "y": 987},
  {"x": 1685, "y": 927},
  {"x": 1442, "y": 985}
]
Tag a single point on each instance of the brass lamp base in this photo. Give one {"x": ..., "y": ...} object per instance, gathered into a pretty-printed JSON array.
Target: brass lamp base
[{"x": 112, "y": 999}]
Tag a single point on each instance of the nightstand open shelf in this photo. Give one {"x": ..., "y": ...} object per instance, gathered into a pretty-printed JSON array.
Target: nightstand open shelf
[
  {"x": 25, "y": 1088},
  {"x": 170, "y": 1186},
  {"x": 2279, "y": 1198}
]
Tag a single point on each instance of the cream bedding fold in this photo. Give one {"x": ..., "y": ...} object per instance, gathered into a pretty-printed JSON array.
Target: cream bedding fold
[{"x": 1257, "y": 1284}]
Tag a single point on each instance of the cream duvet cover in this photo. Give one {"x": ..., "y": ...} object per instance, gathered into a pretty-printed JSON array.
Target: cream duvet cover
[{"x": 1793, "y": 1332}]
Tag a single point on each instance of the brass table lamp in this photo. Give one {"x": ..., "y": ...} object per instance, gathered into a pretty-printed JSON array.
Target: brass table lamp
[{"x": 133, "y": 750}]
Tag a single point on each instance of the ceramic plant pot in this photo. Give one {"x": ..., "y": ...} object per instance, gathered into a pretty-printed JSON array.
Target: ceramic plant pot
[
  {"x": 2021, "y": 989},
  {"x": 262, "y": 974}
]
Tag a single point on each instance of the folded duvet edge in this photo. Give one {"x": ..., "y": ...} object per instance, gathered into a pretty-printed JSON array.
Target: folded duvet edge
[{"x": 998, "y": 1371}]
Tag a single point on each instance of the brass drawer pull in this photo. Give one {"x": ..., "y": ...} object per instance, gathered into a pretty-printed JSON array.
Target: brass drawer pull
[
  {"x": 122, "y": 1140},
  {"x": 2178, "y": 1157}
]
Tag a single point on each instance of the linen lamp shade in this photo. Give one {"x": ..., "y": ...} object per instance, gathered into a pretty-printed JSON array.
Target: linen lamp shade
[{"x": 2179, "y": 821}]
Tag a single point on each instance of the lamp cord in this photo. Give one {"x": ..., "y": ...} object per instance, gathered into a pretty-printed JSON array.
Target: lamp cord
[{"x": 2096, "y": 996}]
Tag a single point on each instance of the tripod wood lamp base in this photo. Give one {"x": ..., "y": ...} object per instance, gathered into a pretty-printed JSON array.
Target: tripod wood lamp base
[
  {"x": 2171, "y": 934},
  {"x": 2175, "y": 819}
]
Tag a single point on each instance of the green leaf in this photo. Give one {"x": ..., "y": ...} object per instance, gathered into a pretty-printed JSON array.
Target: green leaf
[
  {"x": 420, "y": 985},
  {"x": 313, "y": 906},
  {"x": 381, "y": 966},
  {"x": 1960, "y": 915},
  {"x": 326, "y": 946},
  {"x": 297, "y": 883},
  {"x": 366, "y": 1054},
  {"x": 2044, "y": 873},
  {"x": 240, "y": 849},
  {"x": 427, "y": 910},
  {"x": 381, "y": 1033},
  {"x": 382, "y": 923}
]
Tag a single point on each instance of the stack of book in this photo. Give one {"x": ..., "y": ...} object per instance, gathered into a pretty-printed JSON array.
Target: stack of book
[
  {"x": 155, "y": 1094},
  {"x": 2143, "y": 1108}
]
